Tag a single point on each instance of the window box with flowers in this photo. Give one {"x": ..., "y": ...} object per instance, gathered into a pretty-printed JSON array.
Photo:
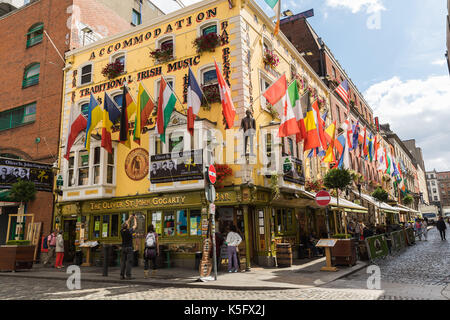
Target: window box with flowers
[
  {"x": 162, "y": 55},
  {"x": 315, "y": 185},
  {"x": 207, "y": 42},
  {"x": 113, "y": 70},
  {"x": 212, "y": 95},
  {"x": 222, "y": 172},
  {"x": 270, "y": 59}
]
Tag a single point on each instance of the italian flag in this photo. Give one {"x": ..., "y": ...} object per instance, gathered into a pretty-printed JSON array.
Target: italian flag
[
  {"x": 166, "y": 105},
  {"x": 277, "y": 92}
]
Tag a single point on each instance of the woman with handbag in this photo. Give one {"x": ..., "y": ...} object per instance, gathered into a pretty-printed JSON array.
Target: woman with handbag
[{"x": 151, "y": 250}]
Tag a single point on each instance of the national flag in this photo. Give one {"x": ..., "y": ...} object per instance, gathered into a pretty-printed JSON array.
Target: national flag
[
  {"x": 144, "y": 109},
  {"x": 395, "y": 172},
  {"x": 276, "y": 6},
  {"x": 343, "y": 91},
  {"x": 77, "y": 123},
  {"x": 382, "y": 164},
  {"x": 95, "y": 115},
  {"x": 128, "y": 108},
  {"x": 355, "y": 138},
  {"x": 298, "y": 103},
  {"x": 370, "y": 147},
  {"x": 322, "y": 125},
  {"x": 228, "y": 110},
  {"x": 349, "y": 131},
  {"x": 345, "y": 158},
  {"x": 364, "y": 149},
  {"x": 344, "y": 161},
  {"x": 277, "y": 92},
  {"x": 375, "y": 147},
  {"x": 194, "y": 101},
  {"x": 312, "y": 139},
  {"x": 111, "y": 113},
  {"x": 402, "y": 186},
  {"x": 331, "y": 132},
  {"x": 166, "y": 105}
]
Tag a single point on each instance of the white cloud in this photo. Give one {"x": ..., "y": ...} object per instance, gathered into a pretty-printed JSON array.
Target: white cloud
[
  {"x": 439, "y": 62},
  {"x": 370, "y": 6},
  {"x": 417, "y": 109}
]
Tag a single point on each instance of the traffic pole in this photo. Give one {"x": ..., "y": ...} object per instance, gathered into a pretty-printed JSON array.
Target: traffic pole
[{"x": 213, "y": 227}]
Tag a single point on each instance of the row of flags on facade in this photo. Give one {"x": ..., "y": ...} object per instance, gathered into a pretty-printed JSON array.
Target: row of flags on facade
[{"x": 111, "y": 113}]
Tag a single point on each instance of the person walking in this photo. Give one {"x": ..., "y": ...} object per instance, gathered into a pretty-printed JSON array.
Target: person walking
[
  {"x": 425, "y": 229},
  {"x": 51, "y": 244},
  {"x": 232, "y": 241},
  {"x": 59, "y": 249},
  {"x": 127, "y": 248},
  {"x": 440, "y": 225},
  {"x": 151, "y": 250},
  {"x": 418, "y": 229}
]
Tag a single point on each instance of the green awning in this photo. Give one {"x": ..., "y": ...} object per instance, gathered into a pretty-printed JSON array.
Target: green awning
[{"x": 4, "y": 196}]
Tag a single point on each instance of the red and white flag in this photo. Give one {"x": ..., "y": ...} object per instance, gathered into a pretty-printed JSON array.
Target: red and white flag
[
  {"x": 77, "y": 124},
  {"x": 228, "y": 110}
]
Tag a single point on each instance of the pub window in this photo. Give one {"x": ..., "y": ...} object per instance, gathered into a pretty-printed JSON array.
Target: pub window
[
  {"x": 169, "y": 223},
  {"x": 210, "y": 28},
  {"x": 83, "y": 168},
  {"x": 115, "y": 225},
  {"x": 195, "y": 223},
  {"x": 209, "y": 76},
  {"x": 86, "y": 74},
  {"x": 96, "y": 168},
  {"x": 84, "y": 108},
  {"x": 167, "y": 44},
  {"x": 284, "y": 221},
  {"x": 119, "y": 57},
  {"x": 105, "y": 226},
  {"x": 156, "y": 222},
  {"x": 71, "y": 181},
  {"x": 31, "y": 75},
  {"x": 182, "y": 223},
  {"x": 110, "y": 168},
  {"x": 35, "y": 34},
  {"x": 96, "y": 226}
]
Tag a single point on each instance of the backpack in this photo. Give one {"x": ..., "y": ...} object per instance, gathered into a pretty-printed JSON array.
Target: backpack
[
  {"x": 45, "y": 243},
  {"x": 150, "y": 240}
]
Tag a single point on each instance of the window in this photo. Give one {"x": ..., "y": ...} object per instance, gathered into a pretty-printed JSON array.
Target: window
[
  {"x": 158, "y": 146},
  {"x": 182, "y": 222},
  {"x": 17, "y": 117},
  {"x": 334, "y": 72},
  {"x": 291, "y": 146},
  {"x": 35, "y": 34},
  {"x": 135, "y": 18},
  {"x": 284, "y": 221},
  {"x": 83, "y": 168},
  {"x": 176, "y": 141},
  {"x": 106, "y": 226},
  {"x": 209, "y": 29},
  {"x": 71, "y": 181},
  {"x": 84, "y": 108},
  {"x": 119, "y": 57},
  {"x": 265, "y": 84},
  {"x": 166, "y": 44},
  {"x": 209, "y": 77},
  {"x": 96, "y": 167},
  {"x": 110, "y": 168},
  {"x": 86, "y": 74},
  {"x": 118, "y": 100},
  {"x": 170, "y": 82},
  {"x": 156, "y": 221},
  {"x": 195, "y": 223},
  {"x": 31, "y": 75},
  {"x": 169, "y": 223}
]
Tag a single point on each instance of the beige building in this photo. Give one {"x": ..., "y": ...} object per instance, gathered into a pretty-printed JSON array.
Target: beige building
[{"x": 135, "y": 11}]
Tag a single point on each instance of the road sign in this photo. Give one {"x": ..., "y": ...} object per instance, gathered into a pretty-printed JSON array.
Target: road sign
[
  {"x": 210, "y": 192},
  {"x": 323, "y": 198},
  {"x": 212, "y": 174}
]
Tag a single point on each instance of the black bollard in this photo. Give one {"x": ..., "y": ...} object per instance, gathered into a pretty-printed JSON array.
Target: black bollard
[{"x": 106, "y": 256}]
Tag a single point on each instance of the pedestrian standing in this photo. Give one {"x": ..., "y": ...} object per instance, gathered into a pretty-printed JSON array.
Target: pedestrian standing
[
  {"x": 232, "y": 241},
  {"x": 151, "y": 250},
  {"x": 440, "y": 225},
  {"x": 127, "y": 248},
  {"x": 425, "y": 229},
  {"x": 418, "y": 229},
  {"x": 358, "y": 230},
  {"x": 59, "y": 249},
  {"x": 51, "y": 244}
]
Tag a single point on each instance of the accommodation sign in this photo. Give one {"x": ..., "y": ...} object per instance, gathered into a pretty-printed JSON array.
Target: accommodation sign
[{"x": 13, "y": 170}]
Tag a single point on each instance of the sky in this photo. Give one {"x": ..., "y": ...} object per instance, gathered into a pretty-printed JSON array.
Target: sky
[{"x": 393, "y": 50}]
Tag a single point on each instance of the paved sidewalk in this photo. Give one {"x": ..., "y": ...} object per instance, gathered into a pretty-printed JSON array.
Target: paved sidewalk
[{"x": 303, "y": 274}]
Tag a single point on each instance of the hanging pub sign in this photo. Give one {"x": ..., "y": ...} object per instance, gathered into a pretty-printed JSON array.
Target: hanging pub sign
[
  {"x": 293, "y": 170},
  {"x": 172, "y": 167},
  {"x": 12, "y": 170}
]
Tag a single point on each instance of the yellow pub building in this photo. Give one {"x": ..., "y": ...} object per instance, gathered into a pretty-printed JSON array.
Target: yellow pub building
[{"x": 262, "y": 191}]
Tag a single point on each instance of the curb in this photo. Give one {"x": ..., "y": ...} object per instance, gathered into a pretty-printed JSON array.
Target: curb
[{"x": 346, "y": 274}]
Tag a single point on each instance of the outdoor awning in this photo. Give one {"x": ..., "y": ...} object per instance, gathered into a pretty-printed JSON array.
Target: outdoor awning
[
  {"x": 347, "y": 206},
  {"x": 402, "y": 208},
  {"x": 4, "y": 196},
  {"x": 380, "y": 205}
]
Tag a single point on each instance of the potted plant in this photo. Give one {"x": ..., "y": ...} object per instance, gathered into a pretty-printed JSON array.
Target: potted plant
[
  {"x": 207, "y": 42},
  {"x": 164, "y": 54},
  {"x": 113, "y": 70},
  {"x": 211, "y": 94},
  {"x": 314, "y": 185},
  {"x": 270, "y": 59},
  {"x": 222, "y": 172},
  {"x": 23, "y": 191}
]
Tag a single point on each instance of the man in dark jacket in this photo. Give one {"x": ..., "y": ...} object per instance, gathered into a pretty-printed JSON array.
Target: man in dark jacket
[
  {"x": 440, "y": 225},
  {"x": 127, "y": 248}
]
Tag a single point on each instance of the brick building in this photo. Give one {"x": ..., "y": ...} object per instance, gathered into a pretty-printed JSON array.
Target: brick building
[
  {"x": 443, "y": 179},
  {"x": 31, "y": 60},
  {"x": 433, "y": 189}
]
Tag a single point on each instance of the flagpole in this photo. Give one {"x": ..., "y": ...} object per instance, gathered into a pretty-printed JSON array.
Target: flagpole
[{"x": 184, "y": 109}]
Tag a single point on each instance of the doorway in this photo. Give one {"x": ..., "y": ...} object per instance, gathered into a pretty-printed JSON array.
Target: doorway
[
  {"x": 4, "y": 218},
  {"x": 69, "y": 236}
]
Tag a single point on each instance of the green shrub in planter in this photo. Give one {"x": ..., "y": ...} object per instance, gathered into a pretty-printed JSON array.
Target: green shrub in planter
[{"x": 19, "y": 243}]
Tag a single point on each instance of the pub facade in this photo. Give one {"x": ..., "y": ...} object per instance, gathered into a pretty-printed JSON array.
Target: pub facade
[{"x": 261, "y": 186}]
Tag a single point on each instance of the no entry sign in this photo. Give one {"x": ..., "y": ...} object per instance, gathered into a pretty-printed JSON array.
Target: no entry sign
[
  {"x": 323, "y": 198},
  {"x": 212, "y": 174}
]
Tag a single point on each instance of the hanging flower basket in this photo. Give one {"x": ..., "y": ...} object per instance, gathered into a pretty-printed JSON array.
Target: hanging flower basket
[
  {"x": 207, "y": 42},
  {"x": 222, "y": 172},
  {"x": 314, "y": 185},
  {"x": 113, "y": 70},
  {"x": 162, "y": 55},
  {"x": 212, "y": 95},
  {"x": 270, "y": 59}
]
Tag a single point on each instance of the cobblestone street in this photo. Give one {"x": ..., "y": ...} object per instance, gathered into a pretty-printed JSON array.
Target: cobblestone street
[{"x": 420, "y": 272}]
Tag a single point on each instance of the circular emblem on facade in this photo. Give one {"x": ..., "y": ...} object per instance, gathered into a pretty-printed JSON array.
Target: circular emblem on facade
[{"x": 136, "y": 164}]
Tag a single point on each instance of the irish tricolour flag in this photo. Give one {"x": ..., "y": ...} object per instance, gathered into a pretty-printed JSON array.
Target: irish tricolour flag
[
  {"x": 166, "y": 105},
  {"x": 276, "y": 6}
]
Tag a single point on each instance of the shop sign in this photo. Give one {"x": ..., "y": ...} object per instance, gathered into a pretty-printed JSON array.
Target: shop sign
[
  {"x": 293, "y": 170},
  {"x": 172, "y": 167},
  {"x": 13, "y": 170},
  {"x": 225, "y": 197}
]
